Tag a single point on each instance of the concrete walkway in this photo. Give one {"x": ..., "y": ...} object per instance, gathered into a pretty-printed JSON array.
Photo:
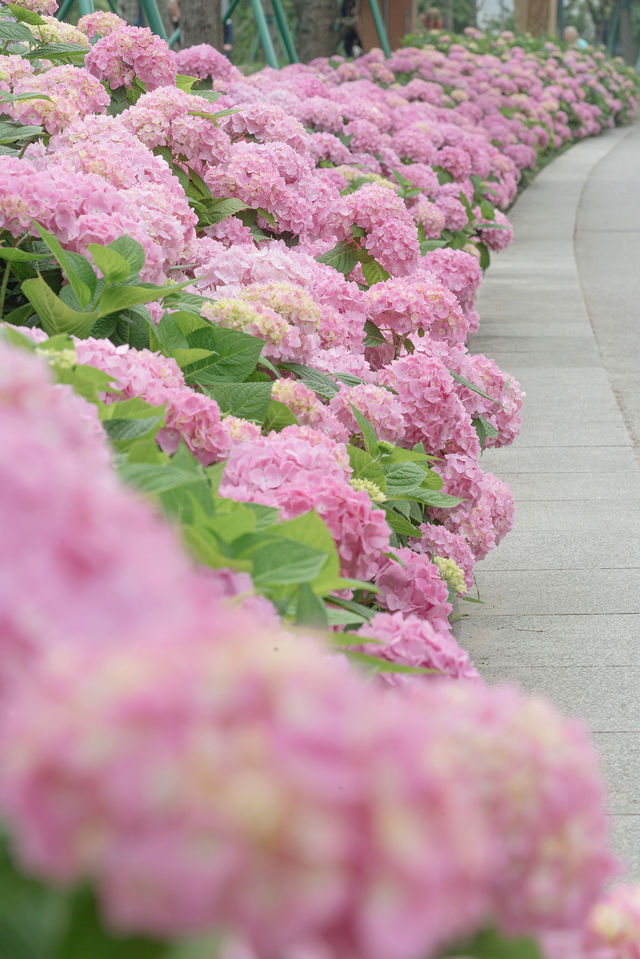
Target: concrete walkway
[{"x": 560, "y": 310}]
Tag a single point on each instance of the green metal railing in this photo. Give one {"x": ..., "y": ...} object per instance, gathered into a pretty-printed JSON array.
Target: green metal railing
[{"x": 153, "y": 18}]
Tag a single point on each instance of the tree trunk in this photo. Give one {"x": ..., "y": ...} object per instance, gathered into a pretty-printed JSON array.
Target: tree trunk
[
  {"x": 200, "y": 22},
  {"x": 316, "y": 36}
]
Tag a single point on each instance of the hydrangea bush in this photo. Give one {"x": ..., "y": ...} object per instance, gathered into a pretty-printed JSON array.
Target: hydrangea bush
[{"x": 241, "y": 471}]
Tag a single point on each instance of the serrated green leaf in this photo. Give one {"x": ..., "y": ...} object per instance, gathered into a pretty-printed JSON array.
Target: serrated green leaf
[
  {"x": 15, "y": 33},
  {"x": 310, "y": 610},
  {"x": 398, "y": 523},
  {"x": 471, "y": 386},
  {"x": 275, "y": 565},
  {"x": 403, "y": 479},
  {"x": 235, "y": 359},
  {"x": 321, "y": 383},
  {"x": 373, "y": 271},
  {"x": 368, "y": 432},
  {"x": 158, "y": 478},
  {"x": 250, "y": 401},
  {"x": 131, "y": 250},
  {"x": 278, "y": 416},
  {"x": 343, "y": 257},
  {"x": 14, "y": 132},
  {"x": 73, "y": 52},
  {"x": 218, "y": 210},
  {"x": 490, "y": 944},
  {"x": 365, "y": 467},
  {"x": 374, "y": 336},
  {"x": 54, "y": 314},
  {"x": 111, "y": 264},
  {"x": 26, "y": 16},
  {"x": 125, "y": 430},
  {"x": 184, "y": 82},
  {"x": 86, "y": 935},
  {"x": 77, "y": 269},
  {"x": 14, "y": 255}
]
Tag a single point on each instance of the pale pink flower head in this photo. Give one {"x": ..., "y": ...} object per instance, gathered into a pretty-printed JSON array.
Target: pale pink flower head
[
  {"x": 411, "y": 584},
  {"x": 132, "y": 52},
  {"x": 413, "y": 641}
]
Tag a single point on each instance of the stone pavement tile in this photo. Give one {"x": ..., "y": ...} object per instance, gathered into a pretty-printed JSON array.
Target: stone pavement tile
[
  {"x": 492, "y": 324},
  {"x": 594, "y": 429},
  {"x": 559, "y": 552},
  {"x": 625, "y": 835},
  {"x": 559, "y": 459},
  {"x": 527, "y": 592},
  {"x": 566, "y": 516},
  {"x": 507, "y": 360},
  {"x": 555, "y": 345},
  {"x": 511, "y": 642},
  {"x": 620, "y": 759},
  {"x": 606, "y": 698},
  {"x": 543, "y": 487}
]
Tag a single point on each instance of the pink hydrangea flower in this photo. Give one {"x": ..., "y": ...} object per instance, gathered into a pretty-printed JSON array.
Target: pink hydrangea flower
[
  {"x": 411, "y": 584},
  {"x": 413, "y": 641},
  {"x": 132, "y": 53}
]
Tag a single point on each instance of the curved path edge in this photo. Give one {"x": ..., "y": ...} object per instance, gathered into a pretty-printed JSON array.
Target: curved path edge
[{"x": 559, "y": 311}]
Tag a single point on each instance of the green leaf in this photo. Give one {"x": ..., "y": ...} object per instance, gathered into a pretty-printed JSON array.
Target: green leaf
[
  {"x": 15, "y": 33},
  {"x": 14, "y": 255},
  {"x": 86, "y": 936},
  {"x": 321, "y": 383},
  {"x": 170, "y": 336},
  {"x": 278, "y": 416},
  {"x": 125, "y": 430},
  {"x": 158, "y": 478},
  {"x": 56, "y": 316},
  {"x": 403, "y": 479},
  {"x": 368, "y": 432},
  {"x": 471, "y": 386},
  {"x": 343, "y": 257},
  {"x": 78, "y": 270},
  {"x": 373, "y": 271},
  {"x": 250, "y": 401},
  {"x": 14, "y": 132},
  {"x": 218, "y": 210},
  {"x": 131, "y": 250},
  {"x": 436, "y": 498},
  {"x": 235, "y": 359},
  {"x": 32, "y": 914},
  {"x": 26, "y": 16},
  {"x": 73, "y": 52},
  {"x": 365, "y": 467},
  {"x": 113, "y": 266},
  {"x": 19, "y": 316},
  {"x": 398, "y": 523},
  {"x": 116, "y": 298},
  {"x": 87, "y": 381},
  {"x": 490, "y": 944},
  {"x": 484, "y": 429},
  {"x": 373, "y": 335},
  {"x": 184, "y": 82},
  {"x": 485, "y": 256},
  {"x": 310, "y": 610},
  {"x": 312, "y": 531},
  {"x": 274, "y": 565}
]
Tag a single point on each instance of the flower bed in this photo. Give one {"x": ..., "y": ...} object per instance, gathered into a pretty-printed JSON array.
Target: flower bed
[{"x": 248, "y": 300}]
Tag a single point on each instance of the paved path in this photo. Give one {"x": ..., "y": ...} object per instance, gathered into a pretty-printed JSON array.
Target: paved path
[{"x": 560, "y": 310}]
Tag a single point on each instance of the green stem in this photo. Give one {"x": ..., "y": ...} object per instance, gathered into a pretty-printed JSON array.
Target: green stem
[
  {"x": 5, "y": 280},
  {"x": 3, "y": 288}
]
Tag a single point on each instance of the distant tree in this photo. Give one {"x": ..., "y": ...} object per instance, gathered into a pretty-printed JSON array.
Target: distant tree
[
  {"x": 201, "y": 22},
  {"x": 316, "y": 31}
]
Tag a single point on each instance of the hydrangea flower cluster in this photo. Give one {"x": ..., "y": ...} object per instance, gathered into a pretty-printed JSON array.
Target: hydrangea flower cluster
[
  {"x": 132, "y": 53},
  {"x": 71, "y": 94}
]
